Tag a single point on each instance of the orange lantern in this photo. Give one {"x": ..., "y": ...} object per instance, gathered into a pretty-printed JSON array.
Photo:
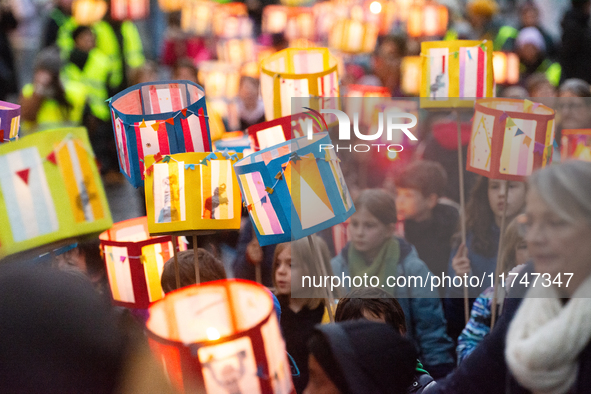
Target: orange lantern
[
  {"x": 411, "y": 69},
  {"x": 219, "y": 79},
  {"x": 134, "y": 262},
  {"x": 129, "y": 9},
  {"x": 171, "y": 5},
  {"x": 352, "y": 36},
  {"x": 197, "y": 16},
  {"x": 294, "y": 22},
  {"x": 427, "y": 20},
  {"x": 236, "y": 51},
  {"x": 220, "y": 337},
  {"x": 576, "y": 144},
  {"x": 231, "y": 21},
  {"x": 88, "y": 12},
  {"x": 506, "y": 68}
]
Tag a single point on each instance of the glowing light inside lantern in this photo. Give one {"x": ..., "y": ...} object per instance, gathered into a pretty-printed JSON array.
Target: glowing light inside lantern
[
  {"x": 392, "y": 155},
  {"x": 375, "y": 7},
  {"x": 212, "y": 334}
]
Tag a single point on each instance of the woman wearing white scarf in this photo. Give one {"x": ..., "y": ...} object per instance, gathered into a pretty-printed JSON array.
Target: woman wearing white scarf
[{"x": 553, "y": 324}]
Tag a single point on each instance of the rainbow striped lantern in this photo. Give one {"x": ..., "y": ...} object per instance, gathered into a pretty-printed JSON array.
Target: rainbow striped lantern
[
  {"x": 220, "y": 337},
  {"x": 510, "y": 138},
  {"x": 134, "y": 262},
  {"x": 295, "y": 72},
  {"x": 10, "y": 119},
  {"x": 294, "y": 189},
  {"x": 163, "y": 117},
  {"x": 192, "y": 192},
  {"x": 576, "y": 144},
  {"x": 50, "y": 191},
  {"x": 455, "y": 73},
  {"x": 277, "y": 131},
  {"x": 353, "y": 36},
  {"x": 129, "y": 9}
]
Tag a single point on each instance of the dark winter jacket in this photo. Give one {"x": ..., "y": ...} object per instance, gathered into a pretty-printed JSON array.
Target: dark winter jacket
[{"x": 575, "y": 56}]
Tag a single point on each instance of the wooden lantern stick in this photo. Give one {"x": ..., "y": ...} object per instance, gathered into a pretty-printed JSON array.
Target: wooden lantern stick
[
  {"x": 462, "y": 207},
  {"x": 319, "y": 263},
  {"x": 258, "y": 273},
  {"x": 177, "y": 273},
  {"x": 196, "y": 260},
  {"x": 500, "y": 264}
]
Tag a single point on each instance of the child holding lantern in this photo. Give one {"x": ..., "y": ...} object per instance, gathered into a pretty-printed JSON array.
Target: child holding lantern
[{"x": 374, "y": 251}]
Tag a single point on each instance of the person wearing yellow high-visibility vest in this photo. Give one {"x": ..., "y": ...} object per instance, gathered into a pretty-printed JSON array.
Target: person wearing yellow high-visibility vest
[
  {"x": 49, "y": 103},
  {"x": 59, "y": 27}
]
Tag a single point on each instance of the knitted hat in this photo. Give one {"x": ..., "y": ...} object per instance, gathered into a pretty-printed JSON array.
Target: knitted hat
[
  {"x": 363, "y": 356},
  {"x": 531, "y": 35}
]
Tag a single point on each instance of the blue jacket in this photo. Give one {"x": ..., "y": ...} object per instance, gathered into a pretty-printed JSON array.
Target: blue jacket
[{"x": 425, "y": 323}]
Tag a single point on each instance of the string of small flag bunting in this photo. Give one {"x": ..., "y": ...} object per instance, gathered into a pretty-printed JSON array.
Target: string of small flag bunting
[
  {"x": 293, "y": 158},
  {"x": 170, "y": 121},
  {"x": 167, "y": 158}
]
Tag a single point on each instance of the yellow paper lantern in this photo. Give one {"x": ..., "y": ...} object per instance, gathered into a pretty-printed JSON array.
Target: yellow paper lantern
[
  {"x": 220, "y": 337},
  {"x": 294, "y": 22},
  {"x": 191, "y": 192},
  {"x": 171, "y": 5},
  {"x": 576, "y": 144},
  {"x": 219, "y": 79},
  {"x": 135, "y": 261},
  {"x": 353, "y": 37},
  {"x": 427, "y": 20},
  {"x": 410, "y": 70},
  {"x": 88, "y": 12},
  {"x": 129, "y": 9},
  {"x": 295, "y": 72},
  {"x": 236, "y": 51},
  {"x": 510, "y": 138},
  {"x": 506, "y": 68},
  {"x": 197, "y": 16},
  {"x": 454, "y": 73},
  {"x": 231, "y": 21}
]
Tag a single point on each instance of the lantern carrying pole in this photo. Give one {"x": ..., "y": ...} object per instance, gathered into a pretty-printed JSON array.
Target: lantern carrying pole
[
  {"x": 462, "y": 207},
  {"x": 196, "y": 260},
  {"x": 319, "y": 263},
  {"x": 500, "y": 262},
  {"x": 177, "y": 273}
]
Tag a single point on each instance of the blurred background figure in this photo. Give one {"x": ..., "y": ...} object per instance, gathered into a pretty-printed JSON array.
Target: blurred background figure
[
  {"x": 250, "y": 104},
  {"x": 8, "y": 75},
  {"x": 385, "y": 65},
  {"x": 575, "y": 56},
  {"x": 532, "y": 51},
  {"x": 184, "y": 69}
]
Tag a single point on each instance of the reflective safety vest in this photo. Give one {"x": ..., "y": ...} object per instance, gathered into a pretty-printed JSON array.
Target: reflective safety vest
[
  {"x": 51, "y": 114},
  {"x": 133, "y": 53},
  {"x": 505, "y": 33},
  {"x": 67, "y": 25},
  {"x": 94, "y": 77},
  {"x": 551, "y": 69}
]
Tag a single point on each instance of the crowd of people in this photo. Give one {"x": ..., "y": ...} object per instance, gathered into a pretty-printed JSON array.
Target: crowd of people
[{"x": 60, "y": 333}]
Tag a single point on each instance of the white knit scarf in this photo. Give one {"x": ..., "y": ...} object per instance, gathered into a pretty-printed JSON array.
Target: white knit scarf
[{"x": 546, "y": 337}]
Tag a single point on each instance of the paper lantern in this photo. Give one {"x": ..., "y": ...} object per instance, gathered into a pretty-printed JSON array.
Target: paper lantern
[
  {"x": 277, "y": 131},
  {"x": 88, "y": 12},
  {"x": 129, "y": 9},
  {"x": 294, "y": 189},
  {"x": 171, "y": 5},
  {"x": 455, "y": 73},
  {"x": 192, "y": 192},
  {"x": 427, "y": 20},
  {"x": 510, "y": 138},
  {"x": 410, "y": 70},
  {"x": 50, "y": 191},
  {"x": 10, "y": 118},
  {"x": 295, "y": 72},
  {"x": 220, "y": 337},
  {"x": 158, "y": 117},
  {"x": 219, "y": 79},
  {"x": 353, "y": 37},
  {"x": 294, "y": 22},
  {"x": 135, "y": 261},
  {"x": 231, "y": 21},
  {"x": 362, "y": 100},
  {"x": 236, "y": 51},
  {"x": 576, "y": 144},
  {"x": 235, "y": 141},
  {"x": 197, "y": 16},
  {"x": 506, "y": 68}
]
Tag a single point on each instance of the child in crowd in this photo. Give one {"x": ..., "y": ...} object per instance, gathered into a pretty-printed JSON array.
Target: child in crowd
[
  {"x": 210, "y": 268},
  {"x": 484, "y": 213},
  {"x": 360, "y": 357},
  {"x": 374, "y": 251},
  {"x": 376, "y": 305},
  {"x": 428, "y": 224},
  {"x": 184, "y": 69},
  {"x": 513, "y": 257},
  {"x": 298, "y": 315}
]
